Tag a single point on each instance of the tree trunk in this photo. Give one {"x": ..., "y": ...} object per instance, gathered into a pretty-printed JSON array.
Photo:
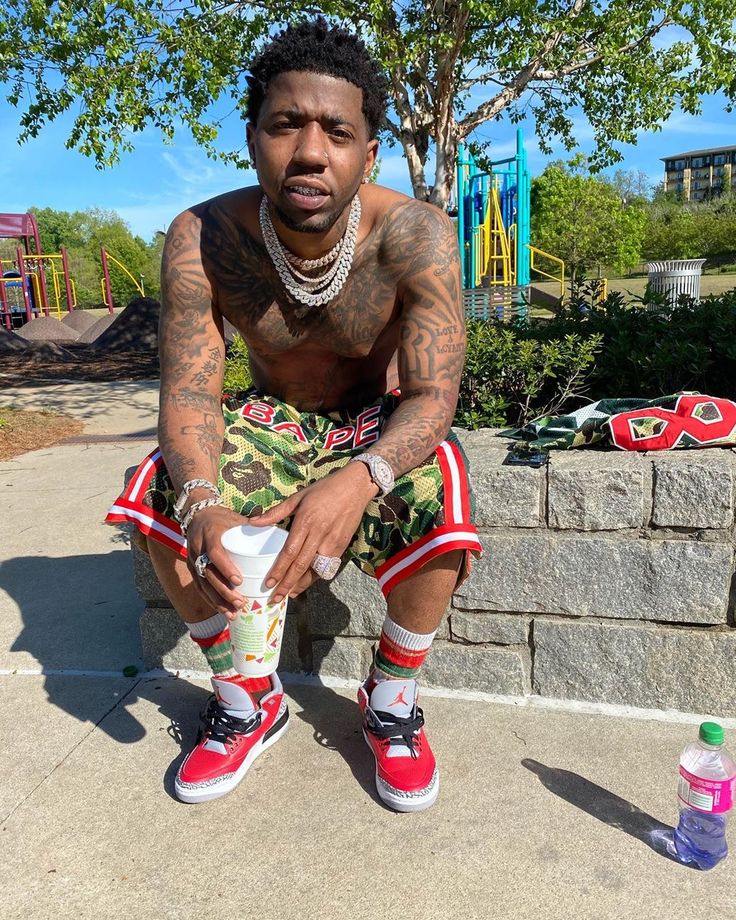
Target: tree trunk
[
  {"x": 445, "y": 155},
  {"x": 417, "y": 172}
]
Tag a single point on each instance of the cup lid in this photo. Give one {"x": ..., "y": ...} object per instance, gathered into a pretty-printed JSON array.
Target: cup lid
[{"x": 246, "y": 540}]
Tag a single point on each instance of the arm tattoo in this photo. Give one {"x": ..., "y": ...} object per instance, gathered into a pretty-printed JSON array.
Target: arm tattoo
[
  {"x": 191, "y": 426},
  {"x": 432, "y": 338}
]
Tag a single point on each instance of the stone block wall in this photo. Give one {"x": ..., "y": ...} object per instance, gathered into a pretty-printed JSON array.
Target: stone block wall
[{"x": 606, "y": 577}]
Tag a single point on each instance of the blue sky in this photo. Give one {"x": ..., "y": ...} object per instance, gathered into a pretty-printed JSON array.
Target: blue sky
[{"x": 155, "y": 182}]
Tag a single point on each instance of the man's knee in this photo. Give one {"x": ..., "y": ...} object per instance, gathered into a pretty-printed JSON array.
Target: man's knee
[{"x": 178, "y": 582}]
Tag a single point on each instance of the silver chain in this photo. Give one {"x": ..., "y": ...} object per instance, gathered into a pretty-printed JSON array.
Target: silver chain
[
  {"x": 314, "y": 282},
  {"x": 310, "y": 264},
  {"x": 307, "y": 290}
]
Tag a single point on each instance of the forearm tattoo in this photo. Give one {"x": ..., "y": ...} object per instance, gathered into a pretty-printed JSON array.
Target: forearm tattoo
[{"x": 191, "y": 426}]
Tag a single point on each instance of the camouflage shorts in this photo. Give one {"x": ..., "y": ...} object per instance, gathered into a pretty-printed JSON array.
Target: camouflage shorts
[{"x": 271, "y": 450}]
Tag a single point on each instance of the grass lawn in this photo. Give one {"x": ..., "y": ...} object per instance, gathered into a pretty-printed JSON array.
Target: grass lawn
[
  {"x": 709, "y": 284},
  {"x": 22, "y": 430}
]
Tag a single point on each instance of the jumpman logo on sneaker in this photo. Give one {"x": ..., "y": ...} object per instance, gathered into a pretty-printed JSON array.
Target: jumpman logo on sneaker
[
  {"x": 399, "y": 698},
  {"x": 220, "y": 698}
]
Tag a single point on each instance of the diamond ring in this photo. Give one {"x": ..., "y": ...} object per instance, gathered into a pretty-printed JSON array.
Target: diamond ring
[
  {"x": 201, "y": 563},
  {"x": 326, "y": 566}
]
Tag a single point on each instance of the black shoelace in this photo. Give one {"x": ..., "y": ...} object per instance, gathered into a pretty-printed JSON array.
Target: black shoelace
[
  {"x": 220, "y": 725},
  {"x": 396, "y": 729}
]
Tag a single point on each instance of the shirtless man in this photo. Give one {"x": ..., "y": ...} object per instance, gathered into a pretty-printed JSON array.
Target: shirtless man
[{"x": 345, "y": 293}]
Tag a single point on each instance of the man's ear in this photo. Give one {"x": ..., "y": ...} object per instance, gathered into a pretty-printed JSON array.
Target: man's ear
[
  {"x": 249, "y": 137},
  {"x": 371, "y": 155}
]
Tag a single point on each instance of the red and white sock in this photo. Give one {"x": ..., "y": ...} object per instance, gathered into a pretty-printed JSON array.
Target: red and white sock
[
  {"x": 400, "y": 653},
  {"x": 213, "y": 637}
]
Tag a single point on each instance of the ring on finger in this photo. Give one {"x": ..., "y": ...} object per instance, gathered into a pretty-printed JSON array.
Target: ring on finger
[
  {"x": 201, "y": 563},
  {"x": 326, "y": 566}
]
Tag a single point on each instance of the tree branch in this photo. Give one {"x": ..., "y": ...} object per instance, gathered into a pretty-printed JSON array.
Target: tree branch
[
  {"x": 519, "y": 83},
  {"x": 533, "y": 70},
  {"x": 591, "y": 62}
]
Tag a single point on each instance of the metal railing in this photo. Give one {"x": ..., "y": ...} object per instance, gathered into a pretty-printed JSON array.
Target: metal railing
[{"x": 534, "y": 250}]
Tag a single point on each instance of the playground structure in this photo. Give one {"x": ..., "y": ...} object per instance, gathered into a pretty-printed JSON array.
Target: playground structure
[
  {"x": 25, "y": 281},
  {"x": 494, "y": 230},
  {"x": 106, "y": 259},
  {"x": 35, "y": 283}
]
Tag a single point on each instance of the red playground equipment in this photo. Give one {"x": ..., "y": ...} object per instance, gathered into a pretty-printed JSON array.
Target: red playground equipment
[
  {"x": 25, "y": 281},
  {"x": 34, "y": 283}
]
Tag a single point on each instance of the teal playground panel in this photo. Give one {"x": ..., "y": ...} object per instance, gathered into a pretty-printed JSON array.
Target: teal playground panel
[{"x": 510, "y": 179}]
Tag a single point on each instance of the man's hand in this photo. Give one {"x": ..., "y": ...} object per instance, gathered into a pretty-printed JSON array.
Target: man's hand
[
  {"x": 326, "y": 516},
  {"x": 204, "y": 536}
]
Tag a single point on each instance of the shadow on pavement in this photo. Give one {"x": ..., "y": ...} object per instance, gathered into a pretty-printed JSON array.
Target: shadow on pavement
[
  {"x": 607, "y": 807},
  {"x": 78, "y": 612},
  {"x": 334, "y": 718},
  {"x": 81, "y": 613},
  {"x": 93, "y": 402},
  {"x": 336, "y": 725}
]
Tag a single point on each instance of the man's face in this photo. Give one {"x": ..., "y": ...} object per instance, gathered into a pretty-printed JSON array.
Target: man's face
[{"x": 310, "y": 148}]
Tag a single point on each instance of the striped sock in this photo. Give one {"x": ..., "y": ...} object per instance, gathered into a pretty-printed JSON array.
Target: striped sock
[
  {"x": 401, "y": 653},
  {"x": 213, "y": 637}
]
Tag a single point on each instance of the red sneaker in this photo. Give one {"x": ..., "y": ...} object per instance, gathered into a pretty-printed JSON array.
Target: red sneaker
[
  {"x": 234, "y": 731},
  {"x": 407, "y": 778}
]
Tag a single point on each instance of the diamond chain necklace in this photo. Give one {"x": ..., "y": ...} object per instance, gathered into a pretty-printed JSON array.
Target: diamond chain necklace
[{"x": 307, "y": 291}]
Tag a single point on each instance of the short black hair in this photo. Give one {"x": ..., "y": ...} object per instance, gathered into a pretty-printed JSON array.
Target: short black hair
[{"x": 316, "y": 47}]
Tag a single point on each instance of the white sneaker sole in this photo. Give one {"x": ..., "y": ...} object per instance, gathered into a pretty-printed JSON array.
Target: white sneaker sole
[
  {"x": 193, "y": 795},
  {"x": 414, "y": 801}
]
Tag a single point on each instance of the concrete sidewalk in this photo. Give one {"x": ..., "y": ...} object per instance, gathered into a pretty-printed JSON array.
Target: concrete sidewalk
[
  {"x": 129, "y": 408},
  {"x": 544, "y": 813}
]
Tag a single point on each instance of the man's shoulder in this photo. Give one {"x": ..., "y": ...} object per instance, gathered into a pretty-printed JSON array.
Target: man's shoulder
[
  {"x": 236, "y": 208},
  {"x": 405, "y": 222},
  {"x": 394, "y": 209},
  {"x": 413, "y": 232}
]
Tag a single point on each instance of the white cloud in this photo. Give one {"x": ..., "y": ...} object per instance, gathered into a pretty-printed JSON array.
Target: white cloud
[
  {"x": 682, "y": 123},
  {"x": 185, "y": 176},
  {"x": 191, "y": 168}
]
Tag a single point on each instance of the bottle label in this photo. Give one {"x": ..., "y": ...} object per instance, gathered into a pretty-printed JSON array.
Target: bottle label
[{"x": 715, "y": 796}]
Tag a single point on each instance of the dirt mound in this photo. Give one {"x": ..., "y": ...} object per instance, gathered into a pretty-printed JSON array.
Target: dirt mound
[
  {"x": 12, "y": 344},
  {"x": 47, "y": 329},
  {"x": 135, "y": 329},
  {"x": 45, "y": 351},
  {"x": 96, "y": 329},
  {"x": 41, "y": 360},
  {"x": 80, "y": 320}
]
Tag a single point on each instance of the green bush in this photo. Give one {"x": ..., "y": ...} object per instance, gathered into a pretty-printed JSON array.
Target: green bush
[
  {"x": 237, "y": 369},
  {"x": 653, "y": 353},
  {"x": 519, "y": 371},
  {"x": 514, "y": 373}
]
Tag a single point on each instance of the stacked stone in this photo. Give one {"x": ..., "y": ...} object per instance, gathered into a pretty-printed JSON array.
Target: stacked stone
[{"x": 606, "y": 578}]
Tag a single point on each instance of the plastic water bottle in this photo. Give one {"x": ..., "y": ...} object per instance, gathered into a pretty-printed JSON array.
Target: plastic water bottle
[{"x": 706, "y": 792}]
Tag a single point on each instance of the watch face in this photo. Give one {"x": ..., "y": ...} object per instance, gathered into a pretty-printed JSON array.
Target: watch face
[{"x": 383, "y": 474}]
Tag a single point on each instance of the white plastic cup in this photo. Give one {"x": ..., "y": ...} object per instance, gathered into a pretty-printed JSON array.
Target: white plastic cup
[{"x": 257, "y": 630}]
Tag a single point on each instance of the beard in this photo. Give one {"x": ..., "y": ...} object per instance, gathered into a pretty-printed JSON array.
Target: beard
[{"x": 325, "y": 223}]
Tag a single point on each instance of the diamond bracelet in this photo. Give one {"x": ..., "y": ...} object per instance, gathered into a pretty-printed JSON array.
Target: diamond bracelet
[
  {"x": 188, "y": 487},
  {"x": 198, "y": 506}
]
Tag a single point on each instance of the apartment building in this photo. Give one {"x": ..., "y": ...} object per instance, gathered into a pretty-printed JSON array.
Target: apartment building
[{"x": 700, "y": 174}]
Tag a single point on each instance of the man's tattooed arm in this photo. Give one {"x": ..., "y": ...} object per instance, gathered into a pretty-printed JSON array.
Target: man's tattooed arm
[
  {"x": 192, "y": 351},
  {"x": 432, "y": 338}
]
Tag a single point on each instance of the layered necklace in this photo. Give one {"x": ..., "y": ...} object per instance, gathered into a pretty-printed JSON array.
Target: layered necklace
[{"x": 312, "y": 290}]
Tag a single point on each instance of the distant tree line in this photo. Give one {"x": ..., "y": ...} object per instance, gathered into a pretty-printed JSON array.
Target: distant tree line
[{"x": 614, "y": 223}]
